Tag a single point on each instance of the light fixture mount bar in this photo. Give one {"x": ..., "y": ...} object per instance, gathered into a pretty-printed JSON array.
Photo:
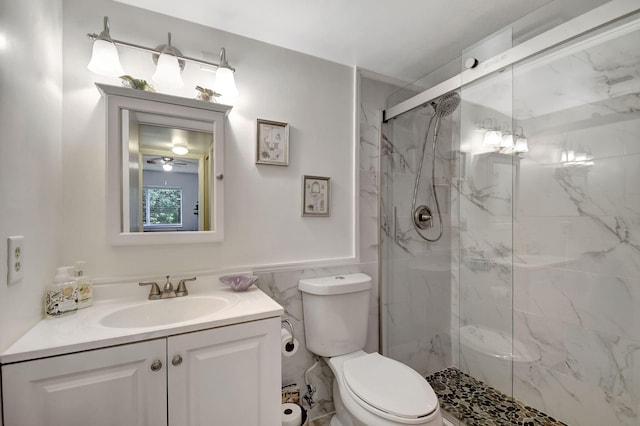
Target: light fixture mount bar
[{"x": 94, "y": 36}]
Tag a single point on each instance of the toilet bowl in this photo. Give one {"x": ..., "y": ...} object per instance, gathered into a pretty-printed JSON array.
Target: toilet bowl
[
  {"x": 372, "y": 390},
  {"x": 369, "y": 389}
]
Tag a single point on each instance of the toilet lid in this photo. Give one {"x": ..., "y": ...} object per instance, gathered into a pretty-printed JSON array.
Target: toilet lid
[{"x": 390, "y": 386}]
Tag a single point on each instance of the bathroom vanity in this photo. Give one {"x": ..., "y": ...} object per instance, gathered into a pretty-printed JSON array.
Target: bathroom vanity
[{"x": 110, "y": 364}]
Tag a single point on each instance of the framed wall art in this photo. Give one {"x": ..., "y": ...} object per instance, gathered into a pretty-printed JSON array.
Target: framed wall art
[
  {"x": 272, "y": 145},
  {"x": 316, "y": 196}
]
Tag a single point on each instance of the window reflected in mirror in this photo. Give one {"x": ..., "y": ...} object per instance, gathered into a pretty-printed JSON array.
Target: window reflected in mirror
[{"x": 172, "y": 192}]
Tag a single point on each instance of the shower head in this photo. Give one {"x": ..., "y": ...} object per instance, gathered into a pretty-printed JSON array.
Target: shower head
[{"x": 447, "y": 104}]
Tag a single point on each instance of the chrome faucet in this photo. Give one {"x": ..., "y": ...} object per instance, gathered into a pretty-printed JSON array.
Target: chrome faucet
[{"x": 167, "y": 291}]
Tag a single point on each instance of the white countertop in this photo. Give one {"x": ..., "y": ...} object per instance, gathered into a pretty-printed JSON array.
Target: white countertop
[{"x": 83, "y": 329}]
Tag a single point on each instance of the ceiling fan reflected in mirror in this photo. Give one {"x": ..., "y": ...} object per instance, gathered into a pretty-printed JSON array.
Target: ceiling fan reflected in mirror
[{"x": 166, "y": 162}]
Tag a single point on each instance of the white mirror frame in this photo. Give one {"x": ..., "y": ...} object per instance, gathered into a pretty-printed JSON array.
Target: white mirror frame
[{"x": 118, "y": 99}]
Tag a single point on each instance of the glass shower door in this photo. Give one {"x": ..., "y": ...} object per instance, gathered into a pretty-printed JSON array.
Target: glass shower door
[
  {"x": 576, "y": 291},
  {"x": 486, "y": 196},
  {"x": 416, "y": 303}
]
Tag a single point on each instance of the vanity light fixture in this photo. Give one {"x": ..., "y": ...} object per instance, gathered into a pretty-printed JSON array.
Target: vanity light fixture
[
  {"x": 522, "y": 144},
  {"x": 104, "y": 57},
  {"x": 506, "y": 144},
  {"x": 168, "y": 67},
  {"x": 492, "y": 136},
  {"x": 225, "y": 82},
  {"x": 503, "y": 142},
  {"x": 576, "y": 158},
  {"x": 166, "y": 56}
]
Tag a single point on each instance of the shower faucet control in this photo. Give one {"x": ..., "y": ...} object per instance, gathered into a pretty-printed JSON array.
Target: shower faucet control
[{"x": 422, "y": 217}]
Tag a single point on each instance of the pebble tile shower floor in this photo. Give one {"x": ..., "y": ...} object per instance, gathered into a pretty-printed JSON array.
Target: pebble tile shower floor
[{"x": 476, "y": 404}]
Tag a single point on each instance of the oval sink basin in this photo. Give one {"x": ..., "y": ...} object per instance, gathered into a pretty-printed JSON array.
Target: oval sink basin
[{"x": 163, "y": 312}]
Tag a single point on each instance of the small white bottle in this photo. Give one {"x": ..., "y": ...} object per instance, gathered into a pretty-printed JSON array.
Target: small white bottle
[
  {"x": 61, "y": 297},
  {"x": 85, "y": 285}
]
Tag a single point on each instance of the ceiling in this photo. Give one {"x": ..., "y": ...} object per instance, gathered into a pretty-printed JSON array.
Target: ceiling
[{"x": 401, "y": 39}]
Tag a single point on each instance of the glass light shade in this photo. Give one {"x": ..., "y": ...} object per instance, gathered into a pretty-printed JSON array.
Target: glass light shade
[
  {"x": 522, "y": 145},
  {"x": 492, "y": 138},
  {"x": 105, "y": 59},
  {"x": 225, "y": 83},
  {"x": 167, "y": 73},
  {"x": 167, "y": 167},
  {"x": 507, "y": 141},
  {"x": 180, "y": 150}
]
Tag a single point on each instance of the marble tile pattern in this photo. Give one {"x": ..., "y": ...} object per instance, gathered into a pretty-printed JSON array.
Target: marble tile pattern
[
  {"x": 562, "y": 273},
  {"x": 416, "y": 309},
  {"x": 473, "y": 403}
]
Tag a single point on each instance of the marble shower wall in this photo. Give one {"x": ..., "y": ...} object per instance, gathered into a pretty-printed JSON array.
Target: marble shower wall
[
  {"x": 562, "y": 274},
  {"x": 416, "y": 275}
]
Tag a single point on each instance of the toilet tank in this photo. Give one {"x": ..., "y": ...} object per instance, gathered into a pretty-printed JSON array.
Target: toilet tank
[{"x": 336, "y": 313}]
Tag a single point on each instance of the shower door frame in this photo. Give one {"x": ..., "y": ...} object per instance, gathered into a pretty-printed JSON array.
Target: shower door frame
[{"x": 583, "y": 24}]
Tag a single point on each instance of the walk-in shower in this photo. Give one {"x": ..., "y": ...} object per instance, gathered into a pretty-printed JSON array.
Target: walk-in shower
[{"x": 530, "y": 288}]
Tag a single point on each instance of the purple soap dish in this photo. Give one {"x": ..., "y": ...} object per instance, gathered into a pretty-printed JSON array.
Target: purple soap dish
[{"x": 239, "y": 282}]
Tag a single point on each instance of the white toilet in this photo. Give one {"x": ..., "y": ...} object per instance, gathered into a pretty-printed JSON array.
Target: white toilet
[{"x": 369, "y": 389}]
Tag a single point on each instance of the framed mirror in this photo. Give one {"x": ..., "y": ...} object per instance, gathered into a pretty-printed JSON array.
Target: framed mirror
[{"x": 164, "y": 168}]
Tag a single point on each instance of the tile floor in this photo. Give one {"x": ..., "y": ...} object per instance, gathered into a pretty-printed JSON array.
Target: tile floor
[
  {"x": 476, "y": 404},
  {"x": 469, "y": 402}
]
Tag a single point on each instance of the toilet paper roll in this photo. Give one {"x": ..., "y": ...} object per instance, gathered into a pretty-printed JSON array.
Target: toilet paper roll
[
  {"x": 291, "y": 414},
  {"x": 287, "y": 347}
]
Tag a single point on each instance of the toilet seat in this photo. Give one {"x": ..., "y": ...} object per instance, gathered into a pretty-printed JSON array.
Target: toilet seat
[{"x": 389, "y": 388}]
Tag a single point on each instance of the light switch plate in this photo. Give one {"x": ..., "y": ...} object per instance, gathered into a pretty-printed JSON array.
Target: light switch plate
[{"x": 15, "y": 256}]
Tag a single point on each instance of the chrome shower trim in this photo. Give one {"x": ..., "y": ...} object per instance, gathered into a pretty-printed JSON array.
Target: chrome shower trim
[{"x": 602, "y": 15}]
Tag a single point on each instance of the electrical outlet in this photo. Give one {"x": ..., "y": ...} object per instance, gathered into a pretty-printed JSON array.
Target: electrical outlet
[{"x": 15, "y": 259}]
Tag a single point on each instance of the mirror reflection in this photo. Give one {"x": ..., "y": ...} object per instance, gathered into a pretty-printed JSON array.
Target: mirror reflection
[{"x": 171, "y": 193}]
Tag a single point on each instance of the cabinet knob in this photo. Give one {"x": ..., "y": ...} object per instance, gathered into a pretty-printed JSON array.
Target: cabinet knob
[
  {"x": 156, "y": 365},
  {"x": 177, "y": 360}
]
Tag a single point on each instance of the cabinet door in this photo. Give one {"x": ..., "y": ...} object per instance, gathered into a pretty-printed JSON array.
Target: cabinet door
[
  {"x": 106, "y": 387},
  {"x": 229, "y": 376}
]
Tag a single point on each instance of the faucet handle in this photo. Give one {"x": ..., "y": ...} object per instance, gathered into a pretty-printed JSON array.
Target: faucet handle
[
  {"x": 154, "y": 293},
  {"x": 182, "y": 287}
]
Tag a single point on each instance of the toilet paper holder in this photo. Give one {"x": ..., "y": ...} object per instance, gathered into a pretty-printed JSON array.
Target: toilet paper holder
[{"x": 290, "y": 344}]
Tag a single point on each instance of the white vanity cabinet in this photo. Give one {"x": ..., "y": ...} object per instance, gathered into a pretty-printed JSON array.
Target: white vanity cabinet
[
  {"x": 113, "y": 386},
  {"x": 226, "y": 376},
  {"x": 223, "y": 376}
]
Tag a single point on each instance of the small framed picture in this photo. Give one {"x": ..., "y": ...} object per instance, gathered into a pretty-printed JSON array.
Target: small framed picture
[
  {"x": 316, "y": 196},
  {"x": 272, "y": 146}
]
